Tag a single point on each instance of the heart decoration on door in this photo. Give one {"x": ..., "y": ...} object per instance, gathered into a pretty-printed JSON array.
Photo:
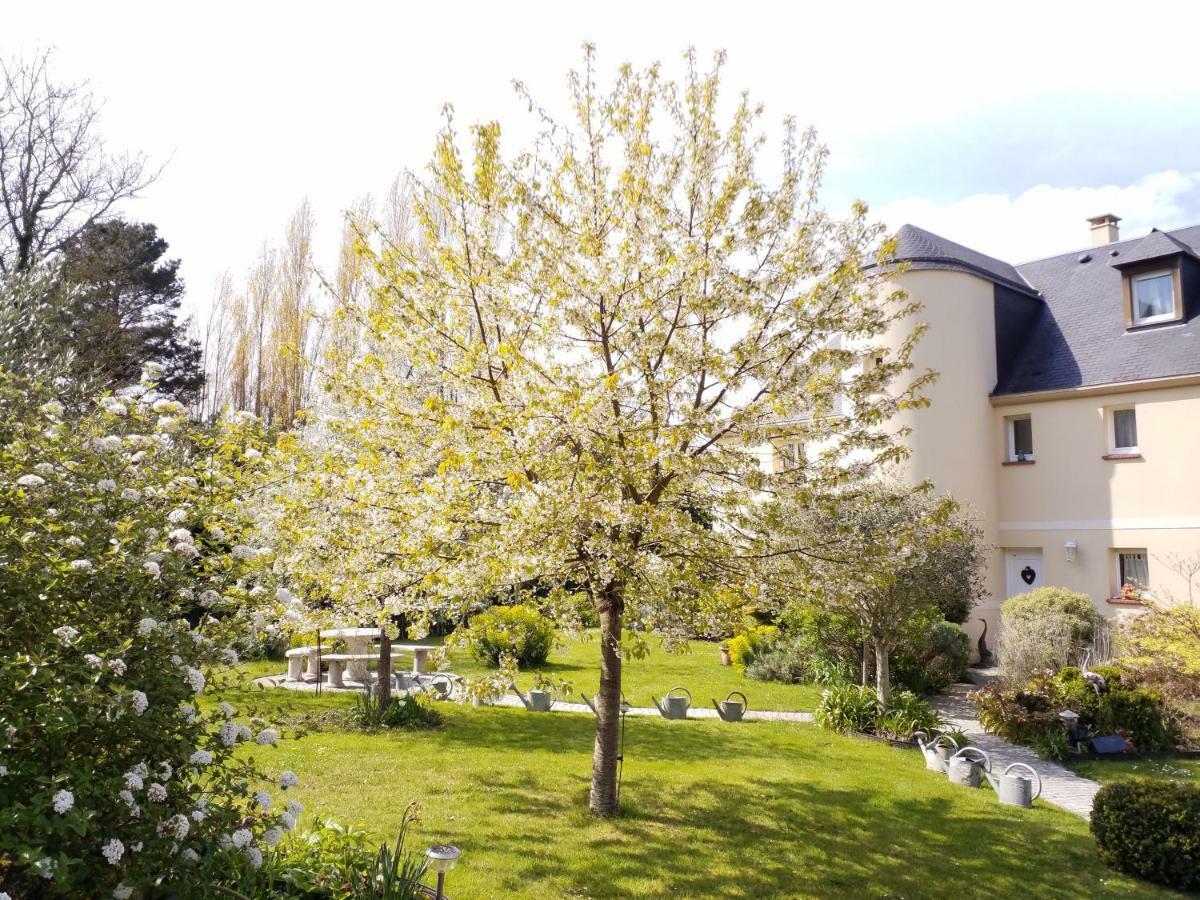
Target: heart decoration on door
[{"x": 1028, "y": 574}]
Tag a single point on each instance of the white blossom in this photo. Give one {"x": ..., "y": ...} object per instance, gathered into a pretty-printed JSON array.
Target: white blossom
[
  {"x": 152, "y": 568},
  {"x": 289, "y": 821},
  {"x": 177, "y": 826},
  {"x": 147, "y": 625},
  {"x": 189, "y": 855},
  {"x": 262, "y": 799},
  {"x": 139, "y": 701},
  {"x": 3, "y": 771},
  {"x": 80, "y": 565},
  {"x": 113, "y": 851},
  {"x": 52, "y": 408},
  {"x": 31, "y": 481},
  {"x": 255, "y": 856},
  {"x": 267, "y": 737},
  {"x": 180, "y": 534},
  {"x": 230, "y": 656},
  {"x": 272, "y": 836},
  {"x": 63, "y": 801},
  {"x": 126, "y": 797},
  {"x": 288, "y": 779},
  {"x": 156, "y": 793},
  {"x": 66, "y": 634},
  {"x": 106, "y": 485},
  {"x": 109, "y": 443},
  {"x": 185, "y": 548},
  {"x": 46, "y": 867},
  {"x": 165, "y": 770},
  {"x": 228, "y": 733},
  {"x": 122, "y": 892},
  {"x": 117, "y": 667},
  {"x": 201, "y": 758},
  {"x": 187, "y": 713},
  {"x": 93, "y": 660},
  {"x": 295, "y": 808},
  {"x": 209, "y": 597},
  {"x": 241, "y": 838},
  {"x": 195, "y": 679},
  {"x": 226, "y": 710},
  {"x": 242, "y": 552},
  {"x": 113, "y": 406},
  {"x": 133, "y": 781}
]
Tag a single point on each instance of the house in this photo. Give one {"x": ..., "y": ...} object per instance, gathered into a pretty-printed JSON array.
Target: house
[{"x": 1067, "y": 411}]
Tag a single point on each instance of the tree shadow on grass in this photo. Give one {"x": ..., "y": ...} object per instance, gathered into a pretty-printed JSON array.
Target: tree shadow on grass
[{"x": 793, "y": 838}]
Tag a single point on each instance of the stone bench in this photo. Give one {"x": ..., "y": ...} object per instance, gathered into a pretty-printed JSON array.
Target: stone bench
[
  {"x": 296, "y": 657},
  {"x": 420, "y": 654}
]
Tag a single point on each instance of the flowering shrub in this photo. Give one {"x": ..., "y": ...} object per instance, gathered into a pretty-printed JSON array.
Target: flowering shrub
[
  {"x": 119, "y": 569},
  {"x": 519, "y": 631}
]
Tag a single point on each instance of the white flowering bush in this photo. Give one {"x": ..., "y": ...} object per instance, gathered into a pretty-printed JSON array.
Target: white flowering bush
[{"x": 123, "y": 558}]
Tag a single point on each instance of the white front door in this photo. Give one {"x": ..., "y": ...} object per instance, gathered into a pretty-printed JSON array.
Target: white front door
[{"x": 1024, "y": 569}]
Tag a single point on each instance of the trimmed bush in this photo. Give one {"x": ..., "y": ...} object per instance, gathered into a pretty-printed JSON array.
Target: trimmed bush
[
  {"x": 941, "y": 663},
  {"x": 853, "y": 707},
  {"x": 1150, "y": 829},
  {"x": 1046, "y": 628},
  {"x": 517, "y": 631},
  {"x": 744, "y": 648}
]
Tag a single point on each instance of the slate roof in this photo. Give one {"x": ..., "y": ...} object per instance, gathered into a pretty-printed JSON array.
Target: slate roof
[
  {"x": 923, "y": 249},
  {"x": 1078, "y": 337}
]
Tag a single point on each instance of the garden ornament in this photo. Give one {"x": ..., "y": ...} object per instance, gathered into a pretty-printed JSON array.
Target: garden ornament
[
  {"x": 731, "y": 710},
  {"x": 674, "y": 706},
  {"x": 625, "y": 705},
  {"x": 987, "y": 659},
  {"x": 1016, "y": 790},
  {"x": 937, "y": 752},
  {"x": 967, "y": 771},
  {"x": 441, "y": 686},
  {"x": 537, "y": 701}
]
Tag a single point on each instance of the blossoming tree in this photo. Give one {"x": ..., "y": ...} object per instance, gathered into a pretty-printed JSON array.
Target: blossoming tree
[
  {"x": 568, "y": 366},
  {"x": 119, "y": 532}
]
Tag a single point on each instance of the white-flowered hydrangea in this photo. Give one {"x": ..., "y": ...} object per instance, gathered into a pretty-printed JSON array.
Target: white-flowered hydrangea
[
  {"x": 147, "y": 625},
  {"x": 288, "y": 779},
  {"x": 177, "y": 826},
  {"x": 241, "y": 838},
  {"x": 186, "y": 549},
  {"x": 262, "y": 799},
  {"x": 46, "y": 867},
  {"x": 66, "y": 634},
  {"x": 255, "y": 856},
  {"x": 113, "y": 406},
  {"x": 74, "y": 542},
  {"x": 267, "y": 737},
  {"x": 208, "y": 598},
  {"x": 109, "y": 443},
  {"x": 93, "y": 660},
  {"x": 229, "y": 656},
  {"x": 177, "y": 516},
  {"x": 153, "y": 569},
  {"x": 195, "y": 679},
  {"x": 139, "y": 701},
  {"x": 126, "y": 796},
  {"x": 117, "y": 667},
  {"x": 295, "y": 808},
  {"x": 106, "y": 485},
  {"x": 180, "y": 535},
  {"x": 228, "y": 733},
  {"x": 3, "y": 771},
  {"x": 131, "y": 494},
  {"x": 226, "y": 709},
  {"x": 63, "y": 801},
  {"x": 122, "y": 891},
  {"x": 31, "y": 481},
  {"x": 201, "y": 758},
  {"x": 113, "y": 850},
  {"x": 288, "y": 820},
  {"x": 52, "y": 408},
  {"x": 242, "y": 552},
  {"x": 217, "y": 532},
  {"x": 80, "y": 565},
  {"x": 244, "y": 733},
  {"x": 165, "y": 771},
  {"x": 156, "y": 793},
  {"x": 189, "y": 855},
  {"x": 133, "y": 781},
  {"x": 187, "y": 713},
  {"x": 272, "y": 836}
]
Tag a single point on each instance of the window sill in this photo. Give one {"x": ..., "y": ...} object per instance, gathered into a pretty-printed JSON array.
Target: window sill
[
  {"x": 1121, "y": 456},
  {"x": 1125, "y": 601},
  {"x": 1018, "y": 462}
]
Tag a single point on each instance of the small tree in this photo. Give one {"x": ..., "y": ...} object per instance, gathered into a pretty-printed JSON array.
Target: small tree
[
  {"x": 891, "y": 555},
  {"x": 567, "y": 371}
]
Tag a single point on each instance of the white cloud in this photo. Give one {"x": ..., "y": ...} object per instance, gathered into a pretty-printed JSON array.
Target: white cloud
[{"x": 1046, "y": 220}]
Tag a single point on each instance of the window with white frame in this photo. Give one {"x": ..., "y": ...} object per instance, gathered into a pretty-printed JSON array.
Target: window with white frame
[
  {"x": 1133, "y": 569},
  {"x": 791, "y": 454},
  {"x": 1020, "y": 438},
  {"x": 1123, "y": 437},
  {"x": 1153, "y": 296}
]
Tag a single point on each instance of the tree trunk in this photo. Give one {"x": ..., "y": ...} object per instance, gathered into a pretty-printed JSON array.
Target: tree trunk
[
  {"x": 883, "y": 675},
  {"x": 385, "y": 667},
  {"x": 603, "y": 799}
]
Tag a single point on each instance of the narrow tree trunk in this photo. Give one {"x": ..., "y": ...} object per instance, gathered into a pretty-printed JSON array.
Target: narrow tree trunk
[
  {"x": 385, "y": 667},
  {"x": 866, "y": 660},
  {"x": 603, "y": 800},
  {"x": 883, "y": 675}
]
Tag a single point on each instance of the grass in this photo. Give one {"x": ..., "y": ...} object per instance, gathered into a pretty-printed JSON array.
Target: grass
[
  {"x": 1156, "y": 767},
  {"x": 754, "y": 810}
]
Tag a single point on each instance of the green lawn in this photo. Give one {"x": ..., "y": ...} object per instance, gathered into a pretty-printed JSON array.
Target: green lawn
[
  {"x": 1157, "y": 767},
  {"x": 710, "y": 810}
]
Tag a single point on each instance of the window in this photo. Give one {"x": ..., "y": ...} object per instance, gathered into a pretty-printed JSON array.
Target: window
[
  {"x": 1124, "y": 431},
  {"x": 1020, "y": 439},
  {"x": 1133, "y": 569},
  {"x": 1153, "y": 297},
  {"x": 791, "y": 454}
]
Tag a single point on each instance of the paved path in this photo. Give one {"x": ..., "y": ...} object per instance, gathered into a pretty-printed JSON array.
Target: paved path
[
  {"x": 1060, "y": 785},
  {"x": 696, "y": 712}
]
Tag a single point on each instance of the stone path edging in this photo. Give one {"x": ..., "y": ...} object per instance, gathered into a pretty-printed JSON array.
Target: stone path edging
[{"x": 1060, "y": 785}]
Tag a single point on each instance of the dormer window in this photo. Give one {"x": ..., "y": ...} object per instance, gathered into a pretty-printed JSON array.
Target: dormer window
[{"x": 1153, "y": 296}]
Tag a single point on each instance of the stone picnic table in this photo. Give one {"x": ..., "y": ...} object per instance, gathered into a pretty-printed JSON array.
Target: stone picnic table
[{"x": 359, "y": 651}]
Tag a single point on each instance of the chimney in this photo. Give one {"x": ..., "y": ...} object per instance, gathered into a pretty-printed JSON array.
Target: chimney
[{"x": 1104, "y": 229}]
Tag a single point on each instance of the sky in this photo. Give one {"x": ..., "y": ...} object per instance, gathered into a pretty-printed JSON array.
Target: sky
[{"x": 1000, "y": 126}]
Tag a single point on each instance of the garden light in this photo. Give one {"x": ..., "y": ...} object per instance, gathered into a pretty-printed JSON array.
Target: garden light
[
  {"x": 1070, "y": 547},
  {"x": 442, "y": 858}
]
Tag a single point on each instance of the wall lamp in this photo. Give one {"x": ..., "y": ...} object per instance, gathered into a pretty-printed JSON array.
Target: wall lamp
[{"x": 1071, "y": 548}]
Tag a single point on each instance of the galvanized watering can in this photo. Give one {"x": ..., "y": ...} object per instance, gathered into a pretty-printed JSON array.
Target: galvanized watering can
[
  {"x": 625, "y": 704},
  {"x": 731, "y": 710},
  {"x": 967, "y": 771},
  {"x": 1016, "y": 790},
  {"x": 674, "y": 706},
  {"x": 937, "y": 752},
  {"x": 537, "y": 701}
]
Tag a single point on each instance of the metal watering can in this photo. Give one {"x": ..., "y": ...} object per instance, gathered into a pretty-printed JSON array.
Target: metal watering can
[
  {"x": 537, "y": 701},
  {"x": 731, "y": 710},
  {"x": 937, "y": 752},
  {"x": 966, "y": 771},
  {"x": 625, "y": 704},
  {"x": 1016, "y": 790},
  {"x": 674, "y": 706}
]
